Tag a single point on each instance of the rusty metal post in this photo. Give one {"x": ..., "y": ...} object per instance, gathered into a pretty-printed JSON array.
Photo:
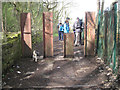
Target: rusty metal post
[
  {"x": 48, "y": 34},
  {"x": 68, "y": 45},
  {"x": 25, "y": 23},
  {"x": 89, "y": 33}
]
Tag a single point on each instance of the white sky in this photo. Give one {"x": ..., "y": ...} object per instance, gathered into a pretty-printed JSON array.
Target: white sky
[{"x": 79, "y": 7}]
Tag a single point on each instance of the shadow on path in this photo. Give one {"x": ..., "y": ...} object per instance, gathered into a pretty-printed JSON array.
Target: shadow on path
[{"x": 56, "y": 72}]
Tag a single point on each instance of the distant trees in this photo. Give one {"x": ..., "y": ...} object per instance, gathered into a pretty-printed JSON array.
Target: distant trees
[{"x": 11, "y": 13}]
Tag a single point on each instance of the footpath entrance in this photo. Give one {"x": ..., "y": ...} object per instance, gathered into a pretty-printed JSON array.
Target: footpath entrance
[
  {"x": 57, "y": 71},
  {"x": 68, "y": 44}
]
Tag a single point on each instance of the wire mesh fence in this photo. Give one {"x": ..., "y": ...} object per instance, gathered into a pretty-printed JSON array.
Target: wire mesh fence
[{"x": 108, "y": 37}]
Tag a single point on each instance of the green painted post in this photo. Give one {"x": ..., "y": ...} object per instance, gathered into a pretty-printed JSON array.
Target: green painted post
[{"x": 115, "y": 29}]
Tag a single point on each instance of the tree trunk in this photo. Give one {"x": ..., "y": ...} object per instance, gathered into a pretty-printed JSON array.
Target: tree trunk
[
  {"x": 102, "y": 6},
  {"x": 5, "y": 19},
  {"x": 98, "y": 8},
  {"x": 2, "y": 25}
]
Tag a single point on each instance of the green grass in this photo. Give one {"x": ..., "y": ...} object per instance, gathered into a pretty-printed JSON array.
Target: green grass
[{"x": 55, "y": 34}]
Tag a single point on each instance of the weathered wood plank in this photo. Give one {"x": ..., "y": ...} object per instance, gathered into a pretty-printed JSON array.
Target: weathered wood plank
[
  {"x": 89, "y": 34},
  {"x": 26, "y": 34},
  {"x": 48, "y": 34},
  {"x": 68, "y": 45}
]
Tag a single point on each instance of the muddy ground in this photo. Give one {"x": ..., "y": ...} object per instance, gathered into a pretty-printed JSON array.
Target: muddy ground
[{"x": 58, "y": 72}]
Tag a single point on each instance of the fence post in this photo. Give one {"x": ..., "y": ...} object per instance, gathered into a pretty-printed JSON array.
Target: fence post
[
  {"x": 1, "y": 45},
  {"x": 85, "y": 35},
  {"x": 106, "y": 35},
  {"x": 115, "y": 31},
  {"x": 89, "y": 33},
  {"x": 119, "y": 35},
  {"x": 25, "y": 23},
  {"x": 68, "y": 45},
  {"x": 48, "y": 34}
]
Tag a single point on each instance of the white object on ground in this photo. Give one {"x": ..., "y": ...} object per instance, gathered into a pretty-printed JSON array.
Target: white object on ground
[
  {"x": 18, "y": 72},
  {"x": 58, "y": 67}
]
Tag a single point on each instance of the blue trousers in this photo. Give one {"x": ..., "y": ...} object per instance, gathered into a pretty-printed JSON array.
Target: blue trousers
[{"x": 60, "y": 35}]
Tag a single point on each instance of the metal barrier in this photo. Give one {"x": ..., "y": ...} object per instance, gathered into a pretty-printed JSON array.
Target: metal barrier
[{"x": 108, "y": 38}]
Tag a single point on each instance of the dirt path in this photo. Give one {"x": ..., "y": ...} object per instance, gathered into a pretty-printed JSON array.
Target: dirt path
[{"x": 57, "y": 72}]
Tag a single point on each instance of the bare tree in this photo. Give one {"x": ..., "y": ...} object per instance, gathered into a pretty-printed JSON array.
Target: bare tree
[{"x": 50, "y": 5}]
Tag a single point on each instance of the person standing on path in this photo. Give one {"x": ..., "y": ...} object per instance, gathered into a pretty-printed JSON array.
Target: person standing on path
[
  {"x": 81, "y": 30},
  {"x": 74, "y": 31},
  {"x": 58, "y": 29},
  {"x": 77, "y": 32},
  {"x": 66, "y": 26},
  {"x": 61, "y": 32}
]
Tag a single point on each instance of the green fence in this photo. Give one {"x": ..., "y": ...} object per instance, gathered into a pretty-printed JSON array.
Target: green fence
[{"x": 107, "y": 39}]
